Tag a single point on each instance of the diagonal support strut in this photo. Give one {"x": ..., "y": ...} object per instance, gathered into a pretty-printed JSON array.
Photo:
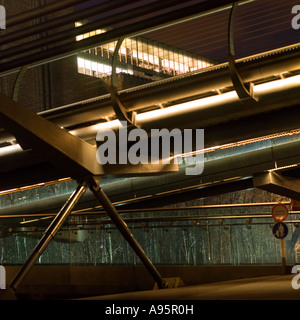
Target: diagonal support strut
[
  {"x": 62, "y": 216},
  {"x": 48, "y": 235},
  {"x": 123, "y": 228}
]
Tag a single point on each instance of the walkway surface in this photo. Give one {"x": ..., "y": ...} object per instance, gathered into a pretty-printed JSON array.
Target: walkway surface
[{"x": 260, "y": 288}]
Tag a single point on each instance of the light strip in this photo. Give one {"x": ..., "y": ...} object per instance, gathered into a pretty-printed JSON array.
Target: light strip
[
  {"x": 284, "y": 167},
  {"x": 34, "y": 186},
  {"x": 9, "y": 149},
  {"x": 176, "y": 110},
  {"x": 260, "y": 89},
  {"x": 206, "y": 102},
  {"x": 36, "y": 220},
  {"x": 242, "y": 143},
  {"x": 186, "y": 107}
]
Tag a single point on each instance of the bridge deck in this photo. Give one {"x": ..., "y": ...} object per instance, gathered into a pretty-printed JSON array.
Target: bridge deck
[{"x": 276, "y": 287}]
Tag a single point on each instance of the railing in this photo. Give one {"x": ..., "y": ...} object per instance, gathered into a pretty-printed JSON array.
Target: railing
[{"x": 203, "y": 235}]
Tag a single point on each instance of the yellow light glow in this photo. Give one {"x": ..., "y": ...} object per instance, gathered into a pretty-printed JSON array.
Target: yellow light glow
[
  {"x": 277, "y": 84},
  {"x": 284, "y": 167},
  {"x": 185, "y": 107}
]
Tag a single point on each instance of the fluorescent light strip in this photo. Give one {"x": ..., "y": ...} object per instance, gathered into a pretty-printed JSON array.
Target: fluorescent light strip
[
  {"x": 265, "y": 88},
  {"x": 185, "y": 107},
  {"x": 175, "y": 110}
]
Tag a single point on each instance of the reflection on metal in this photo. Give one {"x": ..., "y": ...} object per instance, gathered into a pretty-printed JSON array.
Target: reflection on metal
[
  {"x": 244, "y": 90},
  {"x": 278, "y": 184}
]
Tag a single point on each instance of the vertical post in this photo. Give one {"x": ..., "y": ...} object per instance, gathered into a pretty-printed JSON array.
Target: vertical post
[
  {"x": 123, "y": 228},
  {"x": 48, "y": 235},
  {"x": 283, "y": 254}
]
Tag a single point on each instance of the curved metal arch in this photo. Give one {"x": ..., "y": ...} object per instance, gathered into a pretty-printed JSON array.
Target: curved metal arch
[
  {"x": 118, "y": 106},
  {"x": 243, "y": 90},
  {"x": 17, "y": 83}
]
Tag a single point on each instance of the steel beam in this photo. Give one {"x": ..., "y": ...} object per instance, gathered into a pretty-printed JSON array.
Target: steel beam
[
  {"x": 60, "y": 218},
  {"x": 48, "y": 235},
  {"x": 123, "y": 228},
  {"x": 278, "y": 184},
  {"x": 57, "y": 146}
]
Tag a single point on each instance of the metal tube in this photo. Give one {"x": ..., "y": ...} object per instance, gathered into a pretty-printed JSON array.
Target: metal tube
[
  {"x": 48, "y": 235},
  {"x": 123, "y": 228},
  {"x": 261, "y": 65},
  {"x": 38, "y": 12}
]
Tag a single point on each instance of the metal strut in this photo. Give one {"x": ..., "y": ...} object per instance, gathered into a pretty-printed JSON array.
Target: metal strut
[
  {"x": 123, "y": 228},
  {"x": 60, "y": 219},
  {"x": 48, "y": 235},
  {"x": 243, "y": 90}
]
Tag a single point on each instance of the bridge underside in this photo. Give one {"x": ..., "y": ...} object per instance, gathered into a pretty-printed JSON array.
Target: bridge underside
[{"x": 248, "y": 108}]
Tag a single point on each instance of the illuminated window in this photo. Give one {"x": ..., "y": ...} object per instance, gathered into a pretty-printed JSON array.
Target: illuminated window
[{"x": 136, "y": 56}]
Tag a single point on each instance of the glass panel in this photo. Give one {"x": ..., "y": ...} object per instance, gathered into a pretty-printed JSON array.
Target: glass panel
[{"x": 225, "y": 235}]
